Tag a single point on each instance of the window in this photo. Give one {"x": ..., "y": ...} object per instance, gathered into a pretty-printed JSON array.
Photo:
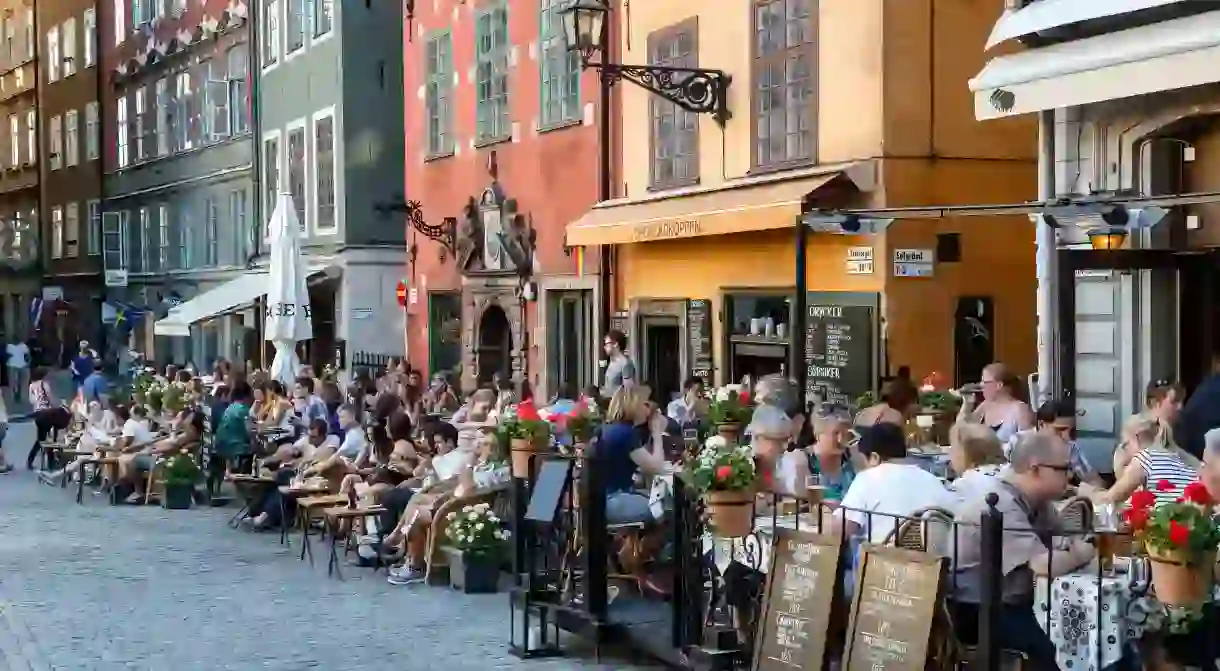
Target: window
[
  {"x": 57, "y": 143},
  {"x": 296, "y": 172},
  {"x": 216, "y": 100},
  {"x": 179, "y": 6},
  {"x": 182, "y": 112},
  {"x": 120, "y": 23},
  {"x": 14, "y": 139},
  {"x": 211, "y": 237},
  {"x": 57, "y": 232},
  {"x": 146, "y": 239},
  {"x": 673, "y": 132},
  {"x": 439, "y": 94},
  {"x": 29, "y": 33},
  {"x": 10, "y": 37},
  {"x": 71, "y": 138},
  {"x": 161, "y": 127},
  {"x": 53, "y": 61},
  {"x": 784, "y": 62},
  {"x": 141, "y": 125},
  {"x": 323, "y": 17},
  {"x": 296, "y": 25},
  {"x": 559, "y": 68},
  {"x": 271, "y": 34},
  {"x": 72, "y": 230},
  {"x": 247, "y": 232},
  {"x": 89, "y": 26},
  {"x": 69, "y": 46},
  {"x": 93, "y": 232},
  {"x": 121, "y": 129},
  {"x": 271, "y": 171},
  {"x": 19, "y": 78},
  {"x": 165, "y": 253},
  {"x": 31, "y": 136},
  {"x": 239, "y": 91},
  {"x": 324, "y": 170},
  {"x": 185, "y": 224},
  {"x": 114, "y": 240},
  {"x": 491, "y": 75},
  {"x": 92, "y": 132}
]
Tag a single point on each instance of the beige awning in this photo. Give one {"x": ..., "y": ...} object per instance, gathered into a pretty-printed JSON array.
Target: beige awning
[{"x": 752, "y": 204}]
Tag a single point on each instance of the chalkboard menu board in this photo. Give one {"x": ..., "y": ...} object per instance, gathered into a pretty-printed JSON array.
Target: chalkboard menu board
[
  {"x": 840, "y": 344},
  {"x": 796, "y": 613},
  {"x": 894, "y": 608},
  {"x": 699, "y": 326}
]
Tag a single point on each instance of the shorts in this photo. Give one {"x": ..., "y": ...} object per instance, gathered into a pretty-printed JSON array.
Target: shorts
[
  {"x": 144, "y": 462},
  {"x": 627, "y": 508}
]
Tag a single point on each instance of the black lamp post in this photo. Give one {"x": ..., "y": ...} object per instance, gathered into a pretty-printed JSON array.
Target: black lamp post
[{"x": 587, "y": 30}]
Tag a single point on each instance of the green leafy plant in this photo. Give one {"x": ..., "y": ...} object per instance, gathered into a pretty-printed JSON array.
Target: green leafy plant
[
  {"x": 476, "y": 531},
  {"x": 581, "y": 424},
  {"x": 181, "y": 470},
  {"x": 173, "y": 399},
  {"x": 537, "y": 431},
  {"x": 730, "y": 405},
  {"x": 939, "y": 400},
  {"x": 721, "y": 467},
  {"x": 1184, "y": 526}
]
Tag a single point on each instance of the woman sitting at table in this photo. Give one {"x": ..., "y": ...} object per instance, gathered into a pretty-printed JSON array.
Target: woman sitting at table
[
  {"x": 1156, "y": 464},
  {"x": 897, "y": 401},
  {"x": 488, "y": 472},
  {"x": 828, "y": 457},
  {"x": 101, "y": 430},
  {"x": 232, "y": 434},
  {"x": 276, "y": 412},
  {"x": 1003, "y": 408},
  {"x": 977, "y": 457},
  {"x": 133, "y": 467},
  {"x": 623, "y": 451}
]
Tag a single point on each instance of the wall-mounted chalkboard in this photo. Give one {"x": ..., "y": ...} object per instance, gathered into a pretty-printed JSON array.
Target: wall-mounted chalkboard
[
  {"x": 840, "y": 346},
  {"x": 699, "y": 347}
]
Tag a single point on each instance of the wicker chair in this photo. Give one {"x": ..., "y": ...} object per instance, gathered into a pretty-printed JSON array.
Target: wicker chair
[
  {"x": 1077, "y": 515},
  {"x": 437, "y": 559},
  {"x": 925, "y": 531}
]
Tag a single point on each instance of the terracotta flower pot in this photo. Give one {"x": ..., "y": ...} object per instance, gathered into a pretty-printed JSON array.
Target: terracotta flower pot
[
  {"x": 521, "y": 449},
  {"x": 1179, "y": 579},
  {"x": 731, "y": 513},
  {"x": 730, "y": 432}
]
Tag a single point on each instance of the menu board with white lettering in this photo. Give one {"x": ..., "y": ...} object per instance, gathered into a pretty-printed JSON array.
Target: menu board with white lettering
[
  {"x": 839, "y": 351},
  {"x": 699, "y": 347},
  {"x": 796, "y": 612},
  {"x": 894, "y": 609}
]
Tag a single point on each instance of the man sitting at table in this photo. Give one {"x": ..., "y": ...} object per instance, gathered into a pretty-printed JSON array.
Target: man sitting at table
[
  {"x": 1041, "y": 470},
  {"x": 314, "y": 447},
  {"x": 135, "y": 466}
]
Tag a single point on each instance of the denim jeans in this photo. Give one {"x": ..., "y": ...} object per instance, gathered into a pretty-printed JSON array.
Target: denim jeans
[{"x": 1019, "y": 630}]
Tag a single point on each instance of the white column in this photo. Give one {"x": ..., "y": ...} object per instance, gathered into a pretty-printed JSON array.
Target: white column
[{"x": 1046, "y": 265}]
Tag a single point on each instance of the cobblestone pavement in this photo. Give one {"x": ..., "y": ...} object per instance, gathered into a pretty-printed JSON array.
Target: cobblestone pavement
[{"x": 102, "y": 587}]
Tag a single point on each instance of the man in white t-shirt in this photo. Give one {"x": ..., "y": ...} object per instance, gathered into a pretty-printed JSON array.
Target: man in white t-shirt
[
  {"x": 17, "y": 358},
  {"x": 891, "y": 488}
]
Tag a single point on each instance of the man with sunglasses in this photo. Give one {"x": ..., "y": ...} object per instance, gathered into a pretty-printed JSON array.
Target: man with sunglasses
[
  {"x": 1058, "y": 418},
  {"x": 1041, "y": 471}
]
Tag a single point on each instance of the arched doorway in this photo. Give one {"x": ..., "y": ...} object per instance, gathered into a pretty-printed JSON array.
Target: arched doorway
[{"x": 495, "y": 346}]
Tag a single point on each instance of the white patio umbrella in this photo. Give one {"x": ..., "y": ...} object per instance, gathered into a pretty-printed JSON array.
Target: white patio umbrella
[{"x": 288, "y": 319}]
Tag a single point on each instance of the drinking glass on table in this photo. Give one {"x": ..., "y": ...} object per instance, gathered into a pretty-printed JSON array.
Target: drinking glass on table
[
  {"x": 815, "y": 491},
  {"x": 1105, "y": 524}
]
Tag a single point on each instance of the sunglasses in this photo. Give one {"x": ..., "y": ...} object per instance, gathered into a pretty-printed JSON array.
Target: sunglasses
[{"x": 1061, "y": 468}]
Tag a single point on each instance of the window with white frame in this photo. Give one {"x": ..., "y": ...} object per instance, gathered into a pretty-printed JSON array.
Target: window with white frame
[
  {"x": 297, "y": 172},
  {"x": 53, "y": 57},
  {"x": 139, "y": 149},
  {"x": 182, "y": 111},
  {"x": 57, "y": 232},
  {"x": 295, "y": 27},
  {"x": 31, "y": 137},
  {"x": 491, "y": 74},
  {"x": 121, "y": 128},
  {"x": 93, "y": 132},
  {"x": 196, "y": 134},
  {"x": 114, "y": 239},
  {"x": 271, "y": 170},
  {"x": 10, "y": 37},
  {"x": 323, "y": 17},
  {"x": 71, "y": 138},
  {"x": 161, "y": 129},
  {"x": 68, "y": 46},
  {"x": 93, "y": 230},
  {"x": 14, "y": 139},
  {"x": 147, "y": 240},
  {"x": 89, "y": 28},
  {"x": 57, "y": 143},
  {"x": 120, "y": 21},
  {"x": 211, "y": 233},
  {"x": 72, "y": 230},
  {"x": 29, "y": 33},
  {"x": 185, "y": 223},
  {"x": 247, "y": 233},
  {"x": 239, "y": 90},
  {"x": 19, "y": 78},
  {"x": 324, "y": 170},
  {"x": 165, "y": 240},
  {"x": 216, "y": 108},
  {"x": 271, "y": 33}
]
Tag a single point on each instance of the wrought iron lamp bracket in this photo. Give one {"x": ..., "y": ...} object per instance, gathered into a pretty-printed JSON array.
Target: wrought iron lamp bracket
[
  {"x": 695, "y": 90},
  {"x": 445, "y": 232}
]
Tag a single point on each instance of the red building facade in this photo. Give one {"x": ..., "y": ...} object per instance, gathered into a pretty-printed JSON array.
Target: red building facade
[{"x": 502, "y": 146}]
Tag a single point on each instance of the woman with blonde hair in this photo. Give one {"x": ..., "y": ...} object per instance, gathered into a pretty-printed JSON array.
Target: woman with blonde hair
[
  {"x": 623, "y": 451},
  {"x": 1003, "y": 408},
  {"x": 977, "y": 457},
  {"x": 1155, "y": 464}
]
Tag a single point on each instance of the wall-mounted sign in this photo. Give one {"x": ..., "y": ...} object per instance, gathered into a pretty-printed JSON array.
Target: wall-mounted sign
[
  {"x": 839, "y": 346},
  {"x": 859, "y": 260},
  {"x": 116, "y": 278},
  {"x": 52, "y": 293},
  {"x": 662, "y": 230},
  {"x": 914, "y": 262}
]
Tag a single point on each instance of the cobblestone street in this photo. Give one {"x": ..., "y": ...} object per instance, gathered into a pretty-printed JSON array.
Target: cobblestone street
[{"x": 101, "y": 587}]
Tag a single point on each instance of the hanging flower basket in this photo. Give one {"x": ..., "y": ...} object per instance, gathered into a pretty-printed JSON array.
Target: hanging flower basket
[
  {"x": 527, "y": 437},
  {"x": 731, "y": 513},
  {"x": 729, "y": 410},
  {"x": 1180, "y": 539},
  {"x": 1180, "y": 578}
]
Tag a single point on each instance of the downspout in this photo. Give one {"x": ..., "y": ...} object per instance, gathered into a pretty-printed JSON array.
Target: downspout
[
  {"x": 99, "y": 82},
  {"x": 254, "y": 64},
  {"x": 1046, "y": 263}
]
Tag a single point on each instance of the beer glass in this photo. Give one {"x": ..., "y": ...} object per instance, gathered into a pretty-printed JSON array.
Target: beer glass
[{"x": 815, "y": 491}]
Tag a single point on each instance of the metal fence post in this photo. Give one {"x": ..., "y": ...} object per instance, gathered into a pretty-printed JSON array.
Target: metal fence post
[
  {"x": 991, "y": 588},
  {"x": 596, "y": 541}
]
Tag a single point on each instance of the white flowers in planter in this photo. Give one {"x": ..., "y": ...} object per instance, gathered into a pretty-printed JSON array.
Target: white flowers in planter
[{"x": 475, "y": 529}]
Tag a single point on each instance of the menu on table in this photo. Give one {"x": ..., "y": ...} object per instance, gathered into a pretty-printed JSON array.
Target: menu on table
[
  {"x": 839, "y": 351},
  {"x": 894, "y": 608},
  {"x": 796, "y": 612},
  {"x": 699, "y": 348}
]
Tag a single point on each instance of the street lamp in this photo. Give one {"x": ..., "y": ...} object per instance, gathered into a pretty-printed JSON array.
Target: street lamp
[{"x": 1107, "y": 238}]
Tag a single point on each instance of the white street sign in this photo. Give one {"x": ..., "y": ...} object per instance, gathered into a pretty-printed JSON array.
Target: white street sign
[{"x": 914, "y": 262}]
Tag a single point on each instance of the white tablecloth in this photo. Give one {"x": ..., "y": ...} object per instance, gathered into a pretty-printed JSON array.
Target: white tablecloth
[{"x": 1072, "y": 612}]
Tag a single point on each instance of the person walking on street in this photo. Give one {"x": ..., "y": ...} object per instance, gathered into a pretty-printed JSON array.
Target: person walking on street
[
  {"x": 17, "y": 360},
  {"x": 620, "y": 369},
  {"x": 5, "y": 467},
  {"x": 82, "y": 364},
  {"x": 49, "y": 415}
]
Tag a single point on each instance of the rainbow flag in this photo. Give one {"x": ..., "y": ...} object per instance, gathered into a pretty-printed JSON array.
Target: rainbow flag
[{"x": 580, "y": 261}]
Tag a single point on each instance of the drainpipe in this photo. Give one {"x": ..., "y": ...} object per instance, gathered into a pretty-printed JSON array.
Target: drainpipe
[
  {"x": 1046, "y": 262},
  {"x": 254, "y": 65},
  {"x": 99, "y": 94}
]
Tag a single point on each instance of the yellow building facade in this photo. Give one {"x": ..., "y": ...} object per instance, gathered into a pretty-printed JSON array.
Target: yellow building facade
[{"x": 837, "y": 104}]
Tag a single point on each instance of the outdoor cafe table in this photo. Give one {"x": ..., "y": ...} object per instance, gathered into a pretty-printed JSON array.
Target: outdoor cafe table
[{"x": 754, "y": 550}]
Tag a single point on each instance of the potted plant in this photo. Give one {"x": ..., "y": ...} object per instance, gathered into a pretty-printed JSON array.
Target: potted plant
[
  {"x": 1180, "y": 539},
  {"x": 475, "y": 542},
  {"x": 173, "y": 399},
  {"x": 725, "y": 474},
  {"x": 729, "y": 409},
  {"x": 526, "y": 437},
  {"x": 181, "y": 476},
  {"x": 581, "y": 425}
]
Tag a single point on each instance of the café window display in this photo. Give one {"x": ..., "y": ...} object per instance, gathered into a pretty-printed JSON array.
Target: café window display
[{"x": 756, "y": 325}]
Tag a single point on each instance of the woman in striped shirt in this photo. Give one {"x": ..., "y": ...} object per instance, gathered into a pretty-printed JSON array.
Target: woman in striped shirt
[{"x": 1156, "y": 464}]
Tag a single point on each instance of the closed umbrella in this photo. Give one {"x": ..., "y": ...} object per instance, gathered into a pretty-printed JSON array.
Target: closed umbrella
[{"x": 288, "y": 319}]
